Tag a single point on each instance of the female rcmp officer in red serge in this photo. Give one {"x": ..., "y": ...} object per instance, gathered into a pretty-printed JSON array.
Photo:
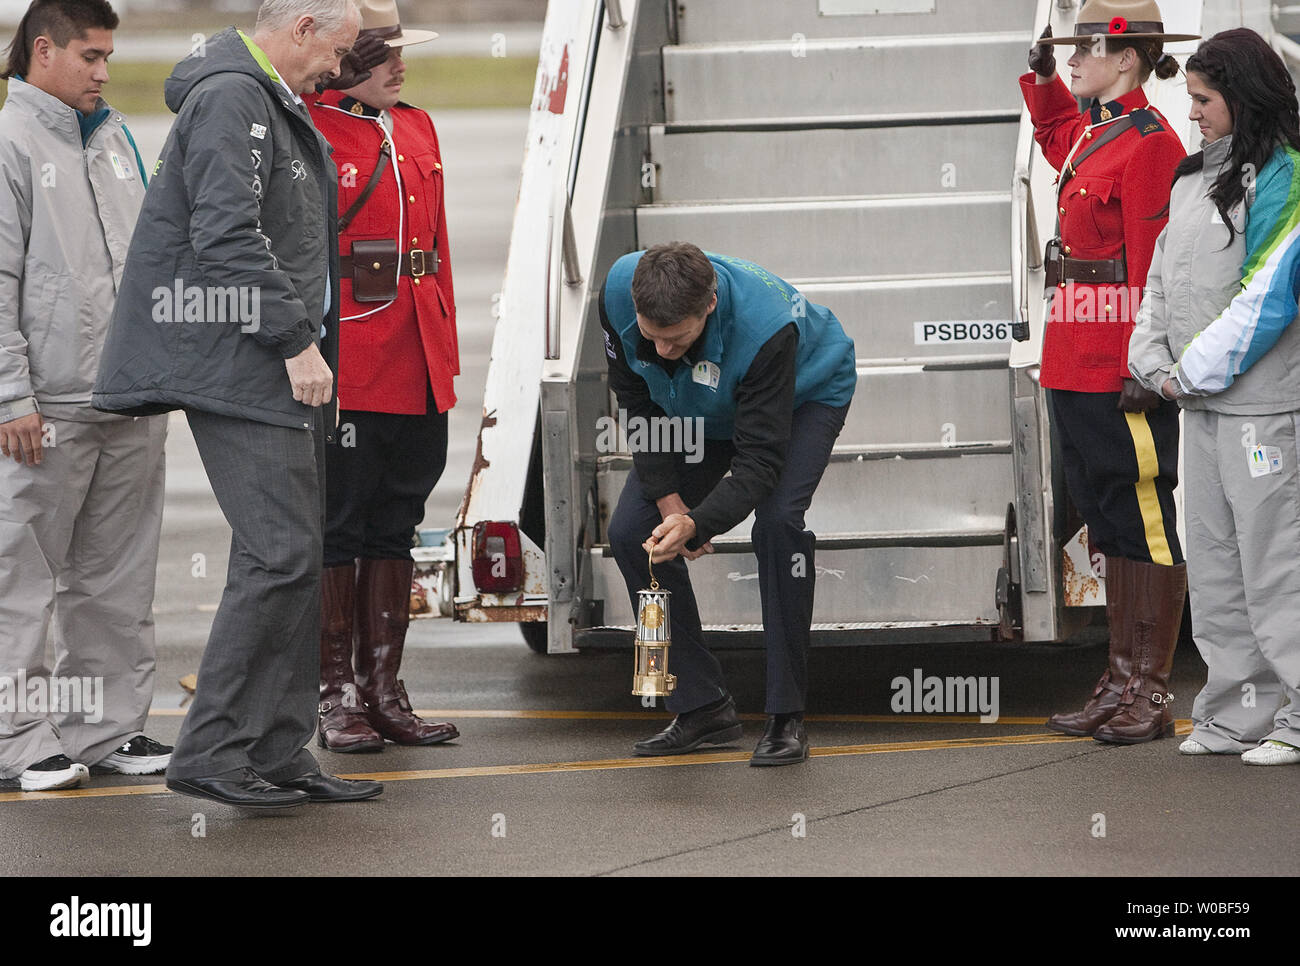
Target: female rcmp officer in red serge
[
  {"x": 1118, "y": 441},
  {"x": 397, "y": 356}
]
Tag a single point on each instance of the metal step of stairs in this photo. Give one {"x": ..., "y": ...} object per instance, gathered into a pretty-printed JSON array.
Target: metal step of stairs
[
  {"x": 893, "y": 584},
  {"x": 917, "y": 317},
  {"x": 709, "y": 21},
  {"x": 910, "y": 492},
  {"x": 853, "y": 237},
  {"x": 892, "y": 78},
  {"x": 763, "y": 165}
]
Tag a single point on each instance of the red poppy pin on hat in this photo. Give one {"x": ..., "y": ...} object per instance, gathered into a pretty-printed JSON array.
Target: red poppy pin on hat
[{"x": 1130, "y": 19}]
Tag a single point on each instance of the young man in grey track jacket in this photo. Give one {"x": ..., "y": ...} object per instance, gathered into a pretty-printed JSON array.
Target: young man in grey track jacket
[{"x": 81, "y": 492}]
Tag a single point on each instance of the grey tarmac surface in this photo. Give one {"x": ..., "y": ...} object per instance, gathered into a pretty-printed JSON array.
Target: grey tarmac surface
[
  {"x": 895, "y": 795},
  {"x": 545, "y": 749}
]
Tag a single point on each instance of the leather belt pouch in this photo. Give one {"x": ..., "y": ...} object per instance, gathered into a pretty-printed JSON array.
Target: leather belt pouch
[
  {"x": 374, "y": 270},
  {"x": 1052, "y": 265}
]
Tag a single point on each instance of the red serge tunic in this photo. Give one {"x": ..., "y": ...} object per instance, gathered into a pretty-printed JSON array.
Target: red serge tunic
[
  {"x": 1105, "y": 212},
  {"x": 390, "y": 351}
]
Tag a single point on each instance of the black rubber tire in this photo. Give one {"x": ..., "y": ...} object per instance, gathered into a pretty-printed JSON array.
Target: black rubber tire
[{"x": 534, "y": 635}]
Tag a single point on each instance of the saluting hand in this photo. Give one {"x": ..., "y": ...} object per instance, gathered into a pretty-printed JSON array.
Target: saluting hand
[
  {"x": 1042, "y": 60},
  {"x": 366, "y": 54}
]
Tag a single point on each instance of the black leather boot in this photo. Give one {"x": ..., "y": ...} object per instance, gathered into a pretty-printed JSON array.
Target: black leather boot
[{"x": 784, "y": 742}]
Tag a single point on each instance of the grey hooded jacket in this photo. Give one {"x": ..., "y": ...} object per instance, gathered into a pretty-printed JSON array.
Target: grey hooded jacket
[
  {"x": 227, "y": 273},
  {"x": 1195, "y": 273},
  {"x": 67, "y": 211}
]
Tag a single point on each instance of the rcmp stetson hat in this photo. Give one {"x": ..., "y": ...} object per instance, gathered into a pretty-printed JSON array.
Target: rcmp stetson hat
[
  {"x": 1116, "y": 19},
  {"x": 379, "y": 18}
]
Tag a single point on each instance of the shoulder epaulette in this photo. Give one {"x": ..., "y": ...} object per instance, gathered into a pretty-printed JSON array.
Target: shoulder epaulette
[
  {"x": 354, "y": 106},
  {"x": 1147, "y": 121}
]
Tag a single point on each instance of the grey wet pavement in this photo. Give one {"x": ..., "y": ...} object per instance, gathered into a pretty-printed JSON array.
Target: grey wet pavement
[
  {"x": 910, "y": 796},
  {"x": 891, "y": 794}
]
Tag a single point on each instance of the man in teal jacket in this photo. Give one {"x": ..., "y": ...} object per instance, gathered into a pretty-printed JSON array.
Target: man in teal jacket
[{"x": 768, "y": 376}]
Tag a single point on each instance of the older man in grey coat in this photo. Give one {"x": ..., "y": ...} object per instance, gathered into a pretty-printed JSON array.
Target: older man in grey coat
[{"x": 228, "y": 310}]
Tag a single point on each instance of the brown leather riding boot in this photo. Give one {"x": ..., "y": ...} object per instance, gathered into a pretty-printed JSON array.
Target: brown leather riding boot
[
  {"x": 1104, "y": 703},
  {"x": 1158, "y": 593},
  {"x": 383, "y": 614},
  {"x": 343, "y": 725}
]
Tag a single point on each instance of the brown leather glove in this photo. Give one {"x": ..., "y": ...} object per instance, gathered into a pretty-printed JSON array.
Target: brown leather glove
[
  {"x": 1042, "y": 61},
  {"x": 1136, "y": 398},
  {"x": 366, "y": 54}
]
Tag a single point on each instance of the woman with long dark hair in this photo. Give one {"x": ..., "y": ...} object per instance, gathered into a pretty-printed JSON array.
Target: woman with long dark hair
[{"x": 1215, "y": 333}]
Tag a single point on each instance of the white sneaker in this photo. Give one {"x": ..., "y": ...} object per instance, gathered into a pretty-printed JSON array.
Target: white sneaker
[
  {"x": 1191, "y": 746},
  {"x": 139, "y": 756},
  {"x": 57, "y": 771},
  {"x": 1272, "y": 753}
]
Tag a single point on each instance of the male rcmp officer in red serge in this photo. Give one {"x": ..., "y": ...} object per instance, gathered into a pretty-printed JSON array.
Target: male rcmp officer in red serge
[
  {"x": 397, "y": 357},
  {"x": 1119, "y": 442}
]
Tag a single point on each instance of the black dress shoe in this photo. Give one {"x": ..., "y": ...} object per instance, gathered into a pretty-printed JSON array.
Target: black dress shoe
[
  {"x": 327, "y": 788},
  {"x": 784, "y": 742},
  {"x": 245, "y": 790},
  {"x": 714, "y": 724}
]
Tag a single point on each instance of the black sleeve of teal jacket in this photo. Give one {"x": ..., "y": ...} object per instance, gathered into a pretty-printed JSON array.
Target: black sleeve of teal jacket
[
  {"x": 226, "y": 173},
  {"x": 764, "y": 408},
  {"x": 657, "y": 471}
]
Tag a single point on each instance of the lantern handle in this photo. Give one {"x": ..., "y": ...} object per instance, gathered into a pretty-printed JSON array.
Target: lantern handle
[{"x": 654, "y": 584}]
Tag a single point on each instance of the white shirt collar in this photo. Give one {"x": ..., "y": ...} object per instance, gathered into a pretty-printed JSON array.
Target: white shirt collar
[{"x": 296, "y": 98}]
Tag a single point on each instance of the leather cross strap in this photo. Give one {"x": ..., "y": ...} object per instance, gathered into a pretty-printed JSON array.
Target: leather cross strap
[
  {"x": 1111, "y": 133},
  {"x": 1057, "y": 269},
  {"x": 385, "y": 153}
]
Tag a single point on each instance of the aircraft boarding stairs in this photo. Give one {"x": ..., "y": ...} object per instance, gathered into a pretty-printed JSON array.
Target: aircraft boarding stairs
[{"x": 868, "y": 160}]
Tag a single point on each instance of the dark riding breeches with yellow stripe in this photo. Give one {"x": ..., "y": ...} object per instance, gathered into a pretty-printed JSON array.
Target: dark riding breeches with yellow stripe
[{"x": 1121, "y": 470}]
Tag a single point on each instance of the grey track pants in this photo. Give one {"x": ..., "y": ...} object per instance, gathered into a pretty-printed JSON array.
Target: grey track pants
[
  {"x": 1243, "y": 572},
  {"x": 79, "y": 550}
]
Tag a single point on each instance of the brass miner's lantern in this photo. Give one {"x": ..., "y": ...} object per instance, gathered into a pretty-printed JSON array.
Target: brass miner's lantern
[{"x": 650, "y": 678}]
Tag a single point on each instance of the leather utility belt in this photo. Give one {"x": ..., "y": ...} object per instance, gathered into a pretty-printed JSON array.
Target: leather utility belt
[
  {"x": 1058, "y": 269},
  {"x": 375, "y": 266}
]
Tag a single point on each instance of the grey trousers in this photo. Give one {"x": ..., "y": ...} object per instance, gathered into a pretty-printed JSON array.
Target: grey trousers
[
  {"x": 1243, "y": 573},
  {"x": 255, "y": 701},
  {"x": 79, "y": 549}
]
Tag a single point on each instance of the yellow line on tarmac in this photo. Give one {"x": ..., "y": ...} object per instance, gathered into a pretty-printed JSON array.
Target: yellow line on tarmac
[
  {"x": 104, "y": 791},
  {"x": 643, "y": 715},
  {"x": 708, "y": 758},
  {"x": 604, "y": 764}
]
